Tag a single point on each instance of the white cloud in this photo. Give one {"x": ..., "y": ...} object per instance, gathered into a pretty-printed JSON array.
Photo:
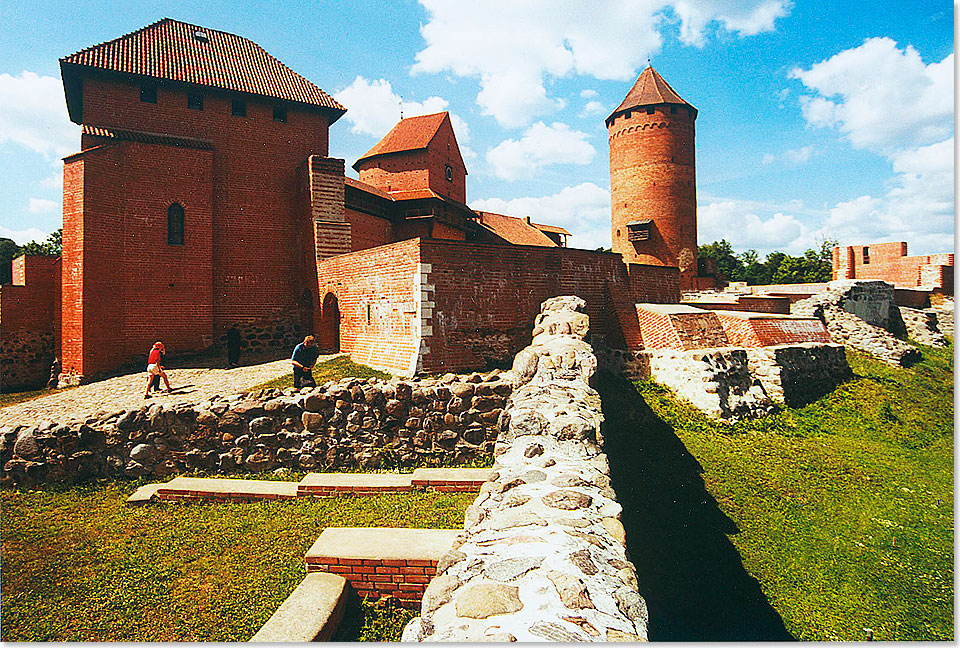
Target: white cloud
[
  {"x": 880, "y": 97},
  {"x": 42, "y": 206},
  {"x": 737, "y": 222},
  {"x": 373, "y": 108},
  {"x": 23, "y": 236},
  {"x": 34, "y": 115},
  {"x": 541, "y": 145},
  {"x": 793, "y": 156},
  {"x": 588, "y": 93},
  {"x": 592, "y": 108},
  {"x": 584, "y": 210},
  {"x": 511, "y": 47}
]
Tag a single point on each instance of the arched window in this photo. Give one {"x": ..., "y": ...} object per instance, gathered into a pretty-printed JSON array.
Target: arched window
[{"x": 175, "y": 224}]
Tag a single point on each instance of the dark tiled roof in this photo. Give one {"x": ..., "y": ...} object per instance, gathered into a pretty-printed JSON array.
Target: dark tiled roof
[
  {"x": 514, "y": 230},
  {"x": 146, "y": 138},
  {"x": 649, "y": 90},
  {"x": 175, "y": 51},
  {"x": 410, "y": 134},
  {"x": 553, "y": 229}
]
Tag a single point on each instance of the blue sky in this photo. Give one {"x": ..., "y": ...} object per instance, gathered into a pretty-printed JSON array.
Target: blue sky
[{"x": 817, "y": 119}]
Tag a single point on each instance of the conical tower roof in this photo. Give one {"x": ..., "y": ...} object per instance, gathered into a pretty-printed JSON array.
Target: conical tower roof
[{"x": 650, "y": 89}]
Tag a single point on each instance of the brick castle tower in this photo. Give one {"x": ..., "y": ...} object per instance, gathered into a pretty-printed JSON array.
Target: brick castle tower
[{"x": 653, "y": 177}]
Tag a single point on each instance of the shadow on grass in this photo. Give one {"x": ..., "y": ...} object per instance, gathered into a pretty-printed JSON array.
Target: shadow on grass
[{"x": 689, "y": 572}]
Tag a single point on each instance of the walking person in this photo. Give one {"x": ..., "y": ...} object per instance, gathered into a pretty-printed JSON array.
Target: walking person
[
  {"x": 155, "y": 369},
  {"x": 233, "y": 347},
  {"x": 304, "y": 357}
]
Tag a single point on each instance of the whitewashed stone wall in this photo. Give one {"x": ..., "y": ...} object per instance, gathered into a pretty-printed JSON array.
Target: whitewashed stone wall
[
  {"x": 542, "y": 555},
  {"x": 797, "y": 373}
]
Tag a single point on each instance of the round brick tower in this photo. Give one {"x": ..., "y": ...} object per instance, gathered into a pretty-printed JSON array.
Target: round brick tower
[{"x": 653, "y": 177}]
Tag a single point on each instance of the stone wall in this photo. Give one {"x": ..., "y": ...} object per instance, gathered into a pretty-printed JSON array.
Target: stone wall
[
  {"x": 25, "y": 359},
  {"x": 922, "y": 327},
  {"x": 798, "y": 373},
  {"x": 542, "y": 554},
  {"x": 280, "y": 330},
  {"x": 862, "y": 315},
  {"x": 350, "y": 423}
]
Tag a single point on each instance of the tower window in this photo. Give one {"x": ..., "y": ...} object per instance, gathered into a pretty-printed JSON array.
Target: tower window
[
  {"x": 238, "y": 108},
  {"x": 638, "y": 230},
  {"x": 673, "y": 110},
  {"x": 175, "y": 224},
  {"x": 448, "y": 171},
  {"x": 194, "y": 100},
  {"x": 650, "y": 111},
  {"x": 866, "y": 255},
  {"x": 626, "y": 115},
  {"x": 279, "y": 114},
  {"x": 148, "y": 93}
]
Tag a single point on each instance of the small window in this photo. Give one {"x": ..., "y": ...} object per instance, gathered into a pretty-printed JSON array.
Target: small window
[
  {"x": 639, "y": 230},
  {"x": 369, "y": 315},
  {"x": 650, "y": 111},
  {"x": 175, "y": 224},
  {"x": 194, "y": 100},
  {"x": 449, "y": 173},
  {"x": 866, "y": 255},
  {"x": 148, "y": 93},
  {"x": 279, "y": 114},
  {"x": 673, "y": 110},
  {"x": 626, "y": 115},
  {"x": 238, "y": 108}
]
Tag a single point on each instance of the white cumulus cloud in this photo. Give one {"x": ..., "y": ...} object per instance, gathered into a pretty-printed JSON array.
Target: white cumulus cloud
[
  {"x": 738, "y": 222},
  {"x": 42, "y": 206},
  {"x": 793, "y": 156},
  {"x": 592, "y": 108},
  {"x": 373, "y": 108},
  {"x": 512, "y": 47},
  {"x": 541, "y": 145},
  {"x": 584, "y": 210},
  {"x": 23, "y": 236},
  {"x": 33, "y": 115}
]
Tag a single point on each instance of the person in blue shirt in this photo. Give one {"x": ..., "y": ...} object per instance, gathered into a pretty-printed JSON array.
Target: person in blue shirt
[{"x": 304, "y": 357}]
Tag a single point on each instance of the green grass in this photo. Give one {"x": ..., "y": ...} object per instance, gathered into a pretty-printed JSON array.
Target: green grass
[
  {"x": 817, "y": 522},
  {"x": 78, "y": 565},
  {"x": 333, "y": 369},
  {"x": 19, "y": 397}
]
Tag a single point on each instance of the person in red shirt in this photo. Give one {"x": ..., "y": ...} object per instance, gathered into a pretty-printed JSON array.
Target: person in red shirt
[{"x": 154, "y": 368}]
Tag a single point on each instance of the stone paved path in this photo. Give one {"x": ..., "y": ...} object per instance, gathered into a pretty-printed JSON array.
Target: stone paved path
[{"x": 190, "y": 385}]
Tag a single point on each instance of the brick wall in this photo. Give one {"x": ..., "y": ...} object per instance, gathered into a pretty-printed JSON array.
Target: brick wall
[
  {"x": 131, "y": 286},
  {"x": 761, "y": 332},
  {"x": 258, "y": 266},
  {"x": 29, "y": 323},
  {"x": 656, "y": 331},
  {"x": 403, "y": 579},
  {"x": 888, "y": 262},
  {"x": 368, "y": 231},
  {"x": 653, "y": 176},
  {"x": 378, "y": 302},
  {"x": 654, "y": 284},
  {"x": 768, "y": 304}
]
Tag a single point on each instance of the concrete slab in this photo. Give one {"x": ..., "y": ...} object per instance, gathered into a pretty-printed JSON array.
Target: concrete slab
[
  {"x": 355, "y": 481},
  {"x": 143, "y": 495},
  {"x": 382, "y": 544},
  {"x": 230, "y": 487},
  {"x": 751, "y": 315},
  {"x": 443, "y": 476},
  {"x": 312, "y": 612},
  {"x": 671, "y": 309}
]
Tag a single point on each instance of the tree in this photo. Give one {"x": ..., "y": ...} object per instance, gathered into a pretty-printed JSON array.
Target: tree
[
  {"x": 52, "y": 246},
  {"x": 8, "y": 250},
  {"x": 721, "y": 251}
]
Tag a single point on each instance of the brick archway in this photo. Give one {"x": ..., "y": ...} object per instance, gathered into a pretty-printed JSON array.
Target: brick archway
[{"x": 329, "y": 334}]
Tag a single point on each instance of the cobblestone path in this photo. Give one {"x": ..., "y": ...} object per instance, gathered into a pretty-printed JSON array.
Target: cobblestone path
[{"x": 190, "y": 385}]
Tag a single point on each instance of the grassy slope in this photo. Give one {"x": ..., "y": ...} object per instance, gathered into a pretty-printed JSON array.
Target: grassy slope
[
  {"x": 79, "y": 565},
  {"x": 841, "y": 511},
  {"x": 333, "y": 369}
]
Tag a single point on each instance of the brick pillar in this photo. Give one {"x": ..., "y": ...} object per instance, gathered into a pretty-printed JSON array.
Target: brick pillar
[
  {"x": 331, "y": 229},
  {"x": 843, "y": 264}
]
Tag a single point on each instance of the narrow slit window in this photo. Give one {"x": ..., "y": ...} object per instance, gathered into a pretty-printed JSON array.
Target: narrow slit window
[
  {"x": 866, "y": 255},
  {"x": 238, "y": 109},
  {"x": 650, "y": 111},
  {"x": 148, "y": 93},
  {"x": 279, "y": 114},
  {"x": 175, "y": 224},
  {"x": 194, "y": 100}
]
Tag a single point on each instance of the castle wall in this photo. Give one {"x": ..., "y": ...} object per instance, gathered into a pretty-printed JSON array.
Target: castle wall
[
  {"x": 258, "y": 266},
  {"x": 653, "y": 176},
  {"x": 889, "y": 262},
  {"x": 29, "y": 323},
  {"x": 135, "y": 288}
]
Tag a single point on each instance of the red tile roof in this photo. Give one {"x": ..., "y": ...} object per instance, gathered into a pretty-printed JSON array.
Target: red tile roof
[
  {"x": 514, "y": 230},
  {"x": 369, "y": 188},
  {"x": 649, "y": 90},
  {"x": 176, "y": 51},
  {"x": 146, "y": 138},
  {"x": 410, "y": 134},
  {"x": 551, "y": 228}
]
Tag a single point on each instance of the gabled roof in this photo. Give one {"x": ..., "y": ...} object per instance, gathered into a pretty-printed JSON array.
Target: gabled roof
[
  {"x": 176, "y": 51},
  {"x": 649, "y": 90},
  {"x": 514, "y": 230},
  {"x": 410, "y": 134}
]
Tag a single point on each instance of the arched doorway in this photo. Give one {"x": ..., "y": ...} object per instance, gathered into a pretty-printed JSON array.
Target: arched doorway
[{"x": 330, "y": 324}]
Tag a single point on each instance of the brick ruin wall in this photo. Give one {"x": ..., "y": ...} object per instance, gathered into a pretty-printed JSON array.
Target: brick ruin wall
[
  {"x": 542, "y": 555},
  {"x": 889, "y": 262},
  {"x": 29, "y": 323},
  {"x": 347, "y": 424}
]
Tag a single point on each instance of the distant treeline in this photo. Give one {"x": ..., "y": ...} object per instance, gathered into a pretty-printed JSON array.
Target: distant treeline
[
  {"x": 777, "y": 268},
  {"x": 9, "y": 251}
]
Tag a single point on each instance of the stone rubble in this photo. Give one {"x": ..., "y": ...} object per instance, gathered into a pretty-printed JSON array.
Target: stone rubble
[
  {"x": 542, "y": 554},
  {"x": 944, "y": 310},
  {"x": 862, "y": 315},
  {"x": 350, "y": 423},
  {"x": 922, "y": 326}
]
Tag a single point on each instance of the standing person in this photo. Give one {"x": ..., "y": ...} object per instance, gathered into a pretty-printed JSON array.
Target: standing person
[
  {"x": 304, "y": 357},
  {"x": 233, "y": 347},
  {"x": 154, "y": 368}
]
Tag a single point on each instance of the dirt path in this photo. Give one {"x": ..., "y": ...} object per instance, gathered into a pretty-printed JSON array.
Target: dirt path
[{"x": 190, "y": 385}]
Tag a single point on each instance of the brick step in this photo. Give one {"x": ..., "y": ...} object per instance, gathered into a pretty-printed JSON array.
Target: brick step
[
  {"x": 194, "y": 489},
  {"x": 381, "y": 561}
]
